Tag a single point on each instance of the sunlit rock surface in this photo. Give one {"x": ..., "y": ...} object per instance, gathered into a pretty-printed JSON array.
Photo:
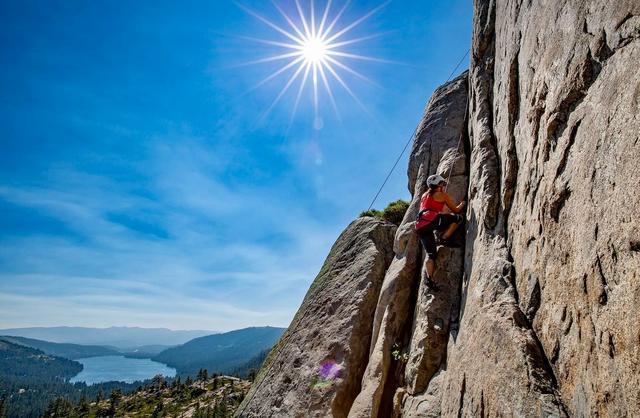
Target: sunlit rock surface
[{"x": 316, "y": 368}]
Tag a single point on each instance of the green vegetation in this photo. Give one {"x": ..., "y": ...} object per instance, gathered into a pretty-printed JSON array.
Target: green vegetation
[
  {"x": 222, "y": 353},
  {"x": 206, "y": 397},
  {"x": 394, "y": 212},
  {"x": 33, "y": 382},
  {"x": 398, "y": 354}
]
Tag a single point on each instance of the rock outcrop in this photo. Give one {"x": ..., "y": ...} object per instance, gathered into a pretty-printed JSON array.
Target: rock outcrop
[
  {"x": 316, "y": 368},
  {"x": 410, "y": 320},
  {"x": 537, "y": 314}
]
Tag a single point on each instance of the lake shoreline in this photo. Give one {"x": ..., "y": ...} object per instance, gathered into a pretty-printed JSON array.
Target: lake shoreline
[{"x": 119, "y": 368}]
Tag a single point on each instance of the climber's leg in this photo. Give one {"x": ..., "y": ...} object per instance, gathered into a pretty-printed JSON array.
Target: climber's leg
[
  {"x": 449, "y": 232},
  {"x": 430, "y": 266},
  {"x": 448, "y": 223},
  {"x": 429, "y": 243}
]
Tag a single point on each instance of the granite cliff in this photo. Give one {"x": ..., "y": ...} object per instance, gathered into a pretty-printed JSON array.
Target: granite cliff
[{"x": 537, "y": 314}]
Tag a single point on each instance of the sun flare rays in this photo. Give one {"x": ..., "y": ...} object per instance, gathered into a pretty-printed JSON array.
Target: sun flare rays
[{"x": 311, "y": 45}]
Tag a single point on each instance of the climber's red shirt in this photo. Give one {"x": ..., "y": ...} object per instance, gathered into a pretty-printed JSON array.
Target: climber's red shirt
[{"x": 432, "y": 208}]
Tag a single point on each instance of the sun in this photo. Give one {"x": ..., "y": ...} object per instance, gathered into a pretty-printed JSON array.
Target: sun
[
  {"x": 314, "y": 51},
  {"x": 313, "y": 47}
]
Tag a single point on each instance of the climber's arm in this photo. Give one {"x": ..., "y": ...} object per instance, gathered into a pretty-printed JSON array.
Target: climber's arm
[{"x": 455, "y": 207}]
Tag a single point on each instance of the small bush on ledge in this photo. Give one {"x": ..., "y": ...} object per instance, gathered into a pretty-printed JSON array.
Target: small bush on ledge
[{"x": 394, "y": 212}]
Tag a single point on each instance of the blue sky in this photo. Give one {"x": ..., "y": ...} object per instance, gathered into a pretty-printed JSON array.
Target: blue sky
[{"x": 141, "y": 183}]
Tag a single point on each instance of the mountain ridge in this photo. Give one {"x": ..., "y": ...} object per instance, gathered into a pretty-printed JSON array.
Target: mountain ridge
[
  {"x": 123, "y": 338},
  {"x": 64, "y": 350}
]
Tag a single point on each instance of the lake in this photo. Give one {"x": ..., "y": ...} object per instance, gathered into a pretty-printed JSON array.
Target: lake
[{"x": 120, "y": 368}]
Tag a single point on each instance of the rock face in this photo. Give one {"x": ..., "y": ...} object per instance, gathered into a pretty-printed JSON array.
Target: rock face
[
  {"x": 554, "y": 208},
  {"x": 537, "y": 314},
  {"x": 316, "y": 368},
  {"x": 410, "y": 320}
]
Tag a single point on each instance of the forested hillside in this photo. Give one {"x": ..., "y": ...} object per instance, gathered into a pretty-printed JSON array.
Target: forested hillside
[
  {"x": 30, "y": 379},
  {"x": 205, "y": 397},
  {"x": 221, "y": 353}
]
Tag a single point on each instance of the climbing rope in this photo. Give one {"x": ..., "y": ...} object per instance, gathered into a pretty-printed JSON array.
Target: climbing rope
[
  {"x": 413, "y": 135},
  {"x": 281, "y": 348}
]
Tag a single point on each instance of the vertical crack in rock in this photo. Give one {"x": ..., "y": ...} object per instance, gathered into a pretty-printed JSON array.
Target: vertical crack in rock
[
  {"x": 603, "y": 298},
  {"x": 416, "y": 329},
  {"x": 562, "y": 165},
  {"x": 522, "y": 375},
  {"x": 510, "y": 164},
  {"x": 533, "y": 298},
  {"x": 558, "y": 202},
  {"x": 463, "y": 391}
]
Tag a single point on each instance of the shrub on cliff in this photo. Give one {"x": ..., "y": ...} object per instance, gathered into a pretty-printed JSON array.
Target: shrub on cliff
[{"x": 394, "y": 212}]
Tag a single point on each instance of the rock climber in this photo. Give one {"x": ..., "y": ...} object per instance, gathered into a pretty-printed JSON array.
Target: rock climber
[{"x": 432, "y": 220}]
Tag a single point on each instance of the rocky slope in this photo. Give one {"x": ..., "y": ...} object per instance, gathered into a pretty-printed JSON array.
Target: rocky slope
[
  {"x": 537, "y": 314},
  {"x": 315, "y": 369}
]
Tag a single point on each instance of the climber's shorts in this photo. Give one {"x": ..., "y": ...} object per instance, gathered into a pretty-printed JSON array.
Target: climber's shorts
[{"x": 440, "y": 223}]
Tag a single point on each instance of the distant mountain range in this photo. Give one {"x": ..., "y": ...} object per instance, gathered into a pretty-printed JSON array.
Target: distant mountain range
[
  {"x": 221, "y": 353},
  {"x": 118, "y": 338}
]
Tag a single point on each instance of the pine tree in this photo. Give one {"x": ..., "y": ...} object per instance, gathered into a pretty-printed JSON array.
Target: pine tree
[
  {"x": 60, "y": 408},
  {"x": 3, "y": 407},
  {"x": 159, "y": 382},
  {"x": 222, "y": 408},
  {"x": 83, "y": 406},
  {"x": 114, "y": 401}
]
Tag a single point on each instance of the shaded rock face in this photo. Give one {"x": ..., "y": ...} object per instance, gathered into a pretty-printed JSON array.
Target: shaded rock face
[
  {"x": 537, "y": 314},
  {"x": 316, "y": 368},
  {"x": 411, "y": 323}
]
